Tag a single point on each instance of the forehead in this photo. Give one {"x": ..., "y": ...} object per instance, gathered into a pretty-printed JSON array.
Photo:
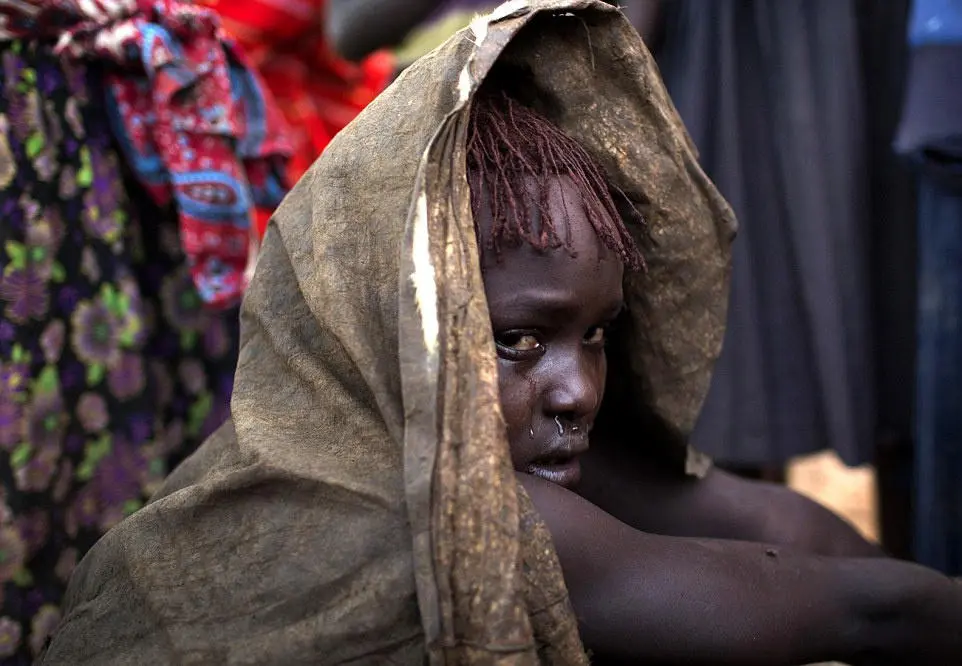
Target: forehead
[
  {"x": 566, "y": 210},
  {"x": 583, "y": 271}
]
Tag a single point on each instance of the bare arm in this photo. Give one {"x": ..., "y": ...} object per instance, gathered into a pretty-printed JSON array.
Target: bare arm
[
  {"x": 639, "y": 492},
  {"x": 357, "y": 28},
  {"x": 669, "y": 600}
]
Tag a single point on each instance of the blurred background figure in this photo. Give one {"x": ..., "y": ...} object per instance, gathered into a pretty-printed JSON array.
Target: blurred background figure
[
  {"x": 125, "y": 208},
  {"x": 789, "y": 106},
  {"x": 930, "y": 136},
  {"x": 771, "y": 92},
  {"x": 793, "y": 107},
  {"x": 317, "y": 91},
  {"x": 357, "y": 28}
]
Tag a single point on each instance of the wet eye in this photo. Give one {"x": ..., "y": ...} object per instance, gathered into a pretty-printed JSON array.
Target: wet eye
[
  {"x": 516, "y": 345},
  {"x": 596, "y": 336}
]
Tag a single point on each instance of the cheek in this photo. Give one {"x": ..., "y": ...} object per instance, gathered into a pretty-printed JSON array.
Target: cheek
[
  {"x": 518, "y": 400},
  {"x": 602, "y": 379}
]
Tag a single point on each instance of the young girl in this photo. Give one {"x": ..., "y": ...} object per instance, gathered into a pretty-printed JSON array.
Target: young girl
[
  {"x": 427, "y": 327},
  {"x": 554, "y": 251}
]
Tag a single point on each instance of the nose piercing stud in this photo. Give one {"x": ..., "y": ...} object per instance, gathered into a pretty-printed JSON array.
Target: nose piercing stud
[{"x": 531, "y": 432}]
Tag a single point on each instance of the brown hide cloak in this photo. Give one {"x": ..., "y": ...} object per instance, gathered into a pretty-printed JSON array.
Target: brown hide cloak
[{"x": 361, "y": 506}]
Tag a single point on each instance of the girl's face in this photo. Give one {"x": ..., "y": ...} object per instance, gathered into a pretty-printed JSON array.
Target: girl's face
[{"x": 550, "y": 312}]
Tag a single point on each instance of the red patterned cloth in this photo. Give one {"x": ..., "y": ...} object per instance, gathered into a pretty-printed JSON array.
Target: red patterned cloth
[
  {"x": 195, "y": 122},
  {"x": 318, "y": 92}
]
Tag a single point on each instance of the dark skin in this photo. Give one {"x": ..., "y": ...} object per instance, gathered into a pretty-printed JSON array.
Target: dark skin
[
  {"x": 639, "y": 491},
  {"x": 552, "y": 376},
  {"x": 648, "y": 598}
]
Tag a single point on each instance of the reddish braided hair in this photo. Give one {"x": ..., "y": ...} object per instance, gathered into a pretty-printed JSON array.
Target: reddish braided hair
[{"x": 509, "y": 146}]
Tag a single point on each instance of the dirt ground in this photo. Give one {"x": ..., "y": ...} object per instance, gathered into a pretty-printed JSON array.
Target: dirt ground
[{"x": 847, "y": 491}]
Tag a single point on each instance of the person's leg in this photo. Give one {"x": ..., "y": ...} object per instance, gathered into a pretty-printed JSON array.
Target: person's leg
[
  {"x": 892, "y": 208},
  {"x": 938, "y": 506},
  {"x": 894, "y": 480}
]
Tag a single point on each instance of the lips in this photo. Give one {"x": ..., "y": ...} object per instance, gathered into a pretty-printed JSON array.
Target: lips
[
  {"x": 566, "y": 473},
  {"x": 560, "y": 463}
]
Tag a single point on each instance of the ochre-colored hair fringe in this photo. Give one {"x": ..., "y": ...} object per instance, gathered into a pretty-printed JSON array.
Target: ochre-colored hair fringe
[{"x": 509, "y": 147}]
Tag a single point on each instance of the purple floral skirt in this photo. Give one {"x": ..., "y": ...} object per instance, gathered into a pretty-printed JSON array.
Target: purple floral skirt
[{"x": 111, "y": 371}]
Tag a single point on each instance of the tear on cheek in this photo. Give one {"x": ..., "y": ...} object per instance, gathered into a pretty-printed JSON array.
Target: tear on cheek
[{"x": 518, "y": 393}]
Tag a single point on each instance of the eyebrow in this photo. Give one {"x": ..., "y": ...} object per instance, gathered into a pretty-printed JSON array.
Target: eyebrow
[{"x": 551, "y": 304}]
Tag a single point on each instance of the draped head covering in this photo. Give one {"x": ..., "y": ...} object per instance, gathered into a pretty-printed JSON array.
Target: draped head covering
[{"x": 361, "y": 506}]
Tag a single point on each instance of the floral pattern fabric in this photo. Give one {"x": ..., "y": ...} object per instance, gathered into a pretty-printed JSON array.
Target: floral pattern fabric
[{"x": 111, "y": 369}]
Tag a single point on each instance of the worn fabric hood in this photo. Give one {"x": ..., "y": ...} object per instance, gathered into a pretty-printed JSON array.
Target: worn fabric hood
[{"x": 360, "y": 507}]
